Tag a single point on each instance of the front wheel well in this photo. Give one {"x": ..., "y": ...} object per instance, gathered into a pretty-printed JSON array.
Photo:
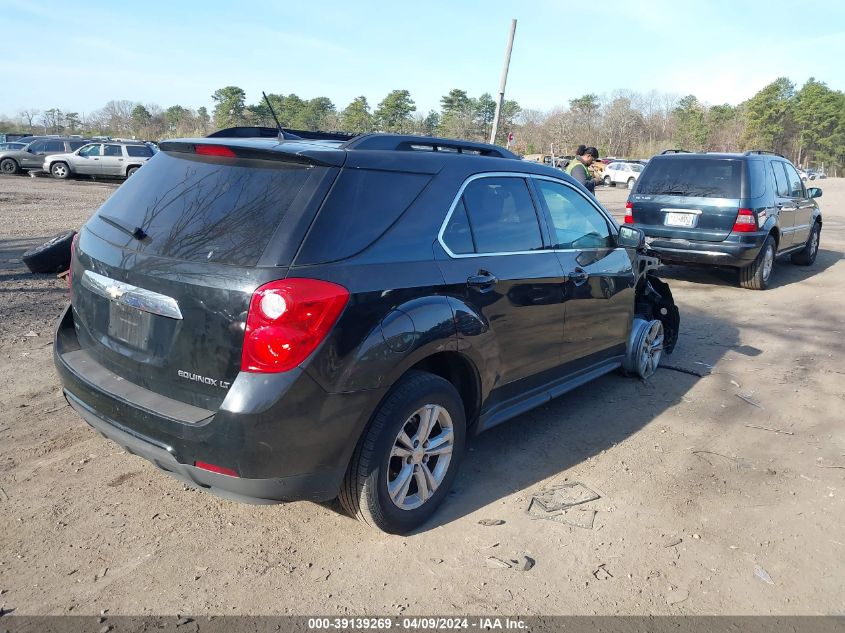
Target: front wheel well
[{"x": 459, "y": 371}]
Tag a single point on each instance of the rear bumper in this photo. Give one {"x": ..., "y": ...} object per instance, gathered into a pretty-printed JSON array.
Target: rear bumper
[
  {"x": 737, "y": 250},
  {"x": 286, "y": 438}
]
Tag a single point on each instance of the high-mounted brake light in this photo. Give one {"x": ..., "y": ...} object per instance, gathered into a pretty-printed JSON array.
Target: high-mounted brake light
[
  {"x": 214, "y": 150},
  {"x": 213, "y": 468},
  {"x": 745, "y": 222},
  {"x": 629, "y": 213},
  {"x": 287, "y": 320}
]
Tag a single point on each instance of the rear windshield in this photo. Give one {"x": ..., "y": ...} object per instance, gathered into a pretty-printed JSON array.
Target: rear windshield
[
  {"x": 210, "y": 210},
  {"x": 695, "y": 177}
]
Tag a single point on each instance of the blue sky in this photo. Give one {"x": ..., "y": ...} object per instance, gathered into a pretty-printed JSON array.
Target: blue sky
[{"x": 78, "y": 56}]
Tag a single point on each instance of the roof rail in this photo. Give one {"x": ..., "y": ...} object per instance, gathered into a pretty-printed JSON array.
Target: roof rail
[
  {"x": 675, "y": 151},
  {"x": 287, "y": 134},
  {"x": 762, "y": 151},
  {"x": 406, "y": 142}
]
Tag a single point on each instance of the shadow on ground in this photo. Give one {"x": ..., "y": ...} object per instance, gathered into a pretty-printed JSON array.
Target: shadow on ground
[
  {"x": 548, "y": 441},
  {"x": 784, "y": 273}
]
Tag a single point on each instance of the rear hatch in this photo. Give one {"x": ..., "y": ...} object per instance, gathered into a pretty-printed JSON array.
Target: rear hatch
[
  {"x": 688, "y": 197},
  {"x": 164, "y": 271}
]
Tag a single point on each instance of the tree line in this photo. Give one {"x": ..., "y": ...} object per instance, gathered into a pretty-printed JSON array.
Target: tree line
[{"x": 806, "y": 125}]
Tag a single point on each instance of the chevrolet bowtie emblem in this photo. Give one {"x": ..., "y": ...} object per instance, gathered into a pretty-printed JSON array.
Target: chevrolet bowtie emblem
[{"x": 114, "y": 292}]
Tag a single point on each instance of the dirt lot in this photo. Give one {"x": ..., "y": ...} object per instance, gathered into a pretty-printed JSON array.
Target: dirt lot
[{"x": 701, "y": 510}]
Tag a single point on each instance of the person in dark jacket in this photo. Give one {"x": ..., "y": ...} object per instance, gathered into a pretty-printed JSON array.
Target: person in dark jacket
[{"x": 578, "y": 167}]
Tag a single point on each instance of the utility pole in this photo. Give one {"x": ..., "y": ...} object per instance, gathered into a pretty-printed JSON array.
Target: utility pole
[{"x": 502, "y": 81}]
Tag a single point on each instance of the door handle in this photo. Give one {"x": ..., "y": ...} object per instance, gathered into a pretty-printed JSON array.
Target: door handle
[
  {"x": 579, "y": 276},
  {"x": 787, "y": 207},
  {"x": 483, "y": 280}
]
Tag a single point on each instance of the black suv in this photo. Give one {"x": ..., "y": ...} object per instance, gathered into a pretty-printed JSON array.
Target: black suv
[
  {"x": 736, "y": 210},
  {"x": 311, "y": 318}
]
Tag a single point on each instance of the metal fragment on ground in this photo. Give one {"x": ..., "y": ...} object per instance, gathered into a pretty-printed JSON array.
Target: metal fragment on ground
[
  {"x": 763, "y": 575},
  {"x": 496, "y": 563},
  {"x": 557, "y": 502}
]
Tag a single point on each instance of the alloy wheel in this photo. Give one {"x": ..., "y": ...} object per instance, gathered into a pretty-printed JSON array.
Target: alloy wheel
[{"x": 420, "y": 457}]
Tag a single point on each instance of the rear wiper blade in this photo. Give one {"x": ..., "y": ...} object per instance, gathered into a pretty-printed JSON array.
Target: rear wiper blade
[{"x": 136, "y": 231}]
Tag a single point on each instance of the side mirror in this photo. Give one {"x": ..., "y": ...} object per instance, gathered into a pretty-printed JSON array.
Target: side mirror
[
  {"x": 629, "y": 237},
  {"x": 814, "y": 192}
]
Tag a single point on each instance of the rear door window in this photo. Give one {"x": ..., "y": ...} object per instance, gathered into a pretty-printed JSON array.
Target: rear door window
[
  {"x": 692, "y": 177},
  {"x": 208, "y": 210},
  {"x": 780, "y": 179},
  {"x": 113, "y": 150},
  {"x": 55, "y": 146},
  {"x": 501, "y": 216}
]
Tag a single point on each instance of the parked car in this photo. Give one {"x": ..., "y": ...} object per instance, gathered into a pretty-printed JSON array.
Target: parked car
[
  {"x": 622, "y": 173},
  {"x": 11, "y": 145},
  {"x": 309, "y": 319},
  {"x": 32, "y": 155},
  {"x": 735, "y": 210},
  {"x": 121, "y": 159}
]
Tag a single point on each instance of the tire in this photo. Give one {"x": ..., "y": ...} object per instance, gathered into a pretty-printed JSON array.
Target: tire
[
  {"x": 9, "y": 166},
  {"x": 631, "y": 182},
  {"x": 606, "y": 181},
  {"x": 757, "y": 275},
  {"x": 807, "y": 255},
  {"x": 60, "y": 170},
  {"x": 365, "y": 494},
  {"x": 52, "y": 256},
  {"x": 131, "y": 171}
]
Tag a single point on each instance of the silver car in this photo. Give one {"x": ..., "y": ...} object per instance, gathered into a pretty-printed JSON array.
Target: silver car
[{"x": 121, "y": 159}]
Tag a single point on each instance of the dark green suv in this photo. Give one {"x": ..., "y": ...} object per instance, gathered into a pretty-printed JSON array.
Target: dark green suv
[{"x": 735, "y": 210}]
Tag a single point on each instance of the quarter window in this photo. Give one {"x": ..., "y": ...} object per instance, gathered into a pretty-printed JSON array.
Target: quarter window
[
  {"x": 494, "y": 215},
  {"x": 576, "y": 222}
]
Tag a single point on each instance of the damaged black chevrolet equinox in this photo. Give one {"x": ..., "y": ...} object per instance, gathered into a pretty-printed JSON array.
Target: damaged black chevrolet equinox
[{"x": 290, "y": 318}]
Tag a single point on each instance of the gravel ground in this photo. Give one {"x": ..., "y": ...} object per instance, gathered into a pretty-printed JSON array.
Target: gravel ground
[{"x": 719, "y": 494}]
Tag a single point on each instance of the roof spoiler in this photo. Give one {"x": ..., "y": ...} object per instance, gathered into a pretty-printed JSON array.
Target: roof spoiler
[
  {"x": 406, "y": 142},
  {"x": 286, "y": 133}
]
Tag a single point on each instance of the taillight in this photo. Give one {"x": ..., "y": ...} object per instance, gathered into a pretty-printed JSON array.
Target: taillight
[
  {"x": 745, "y": 222},
  {"x": 213, "y": 468},
  {"x": 287, "y": 320},
  {"x": 72, "y": 257},
  {"x": 629, "y": 213},
  {"x": 214, "y": 150}
]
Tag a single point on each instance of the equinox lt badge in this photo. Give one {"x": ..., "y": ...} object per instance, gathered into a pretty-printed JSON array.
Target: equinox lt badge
[{"x": 206, "y": 381}]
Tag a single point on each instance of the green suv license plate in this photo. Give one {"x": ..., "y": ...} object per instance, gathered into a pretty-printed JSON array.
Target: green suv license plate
[{"x": 679, "y": 219}]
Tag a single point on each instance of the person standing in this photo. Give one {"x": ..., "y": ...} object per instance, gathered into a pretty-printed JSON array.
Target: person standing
[{"x": 578, "y": 167}]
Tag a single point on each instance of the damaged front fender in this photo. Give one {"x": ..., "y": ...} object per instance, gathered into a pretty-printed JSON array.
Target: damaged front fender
[{"x": 654, "y": 301}]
